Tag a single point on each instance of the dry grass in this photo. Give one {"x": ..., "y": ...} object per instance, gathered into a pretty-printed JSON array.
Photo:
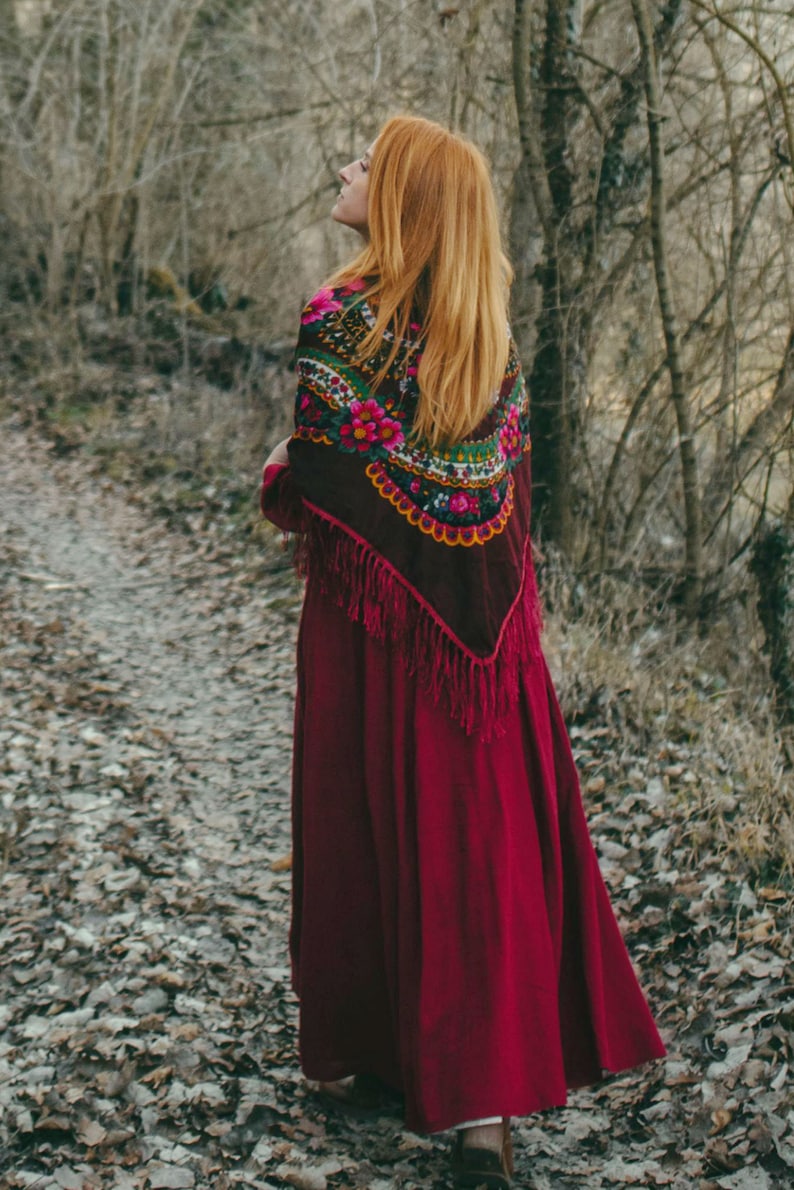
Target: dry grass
[
  {"x": 187, "y": 446},
  {"x": 693, "y": 711}
]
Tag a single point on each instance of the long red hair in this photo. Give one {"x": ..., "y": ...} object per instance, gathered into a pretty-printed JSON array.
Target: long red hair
[{"x": 435, "y": 251}]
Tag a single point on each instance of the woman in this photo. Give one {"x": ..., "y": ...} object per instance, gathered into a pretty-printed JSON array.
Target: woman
[{"x": 451, "y": 936}]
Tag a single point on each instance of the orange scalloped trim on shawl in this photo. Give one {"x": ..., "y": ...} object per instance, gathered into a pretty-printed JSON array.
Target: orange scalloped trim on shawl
[
  {"x": 310, "y": 435},
  {"x": 448, "y": 534}
]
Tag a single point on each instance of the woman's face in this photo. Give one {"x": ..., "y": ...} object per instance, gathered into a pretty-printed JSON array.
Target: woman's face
[{"x": 350, "y": 207}]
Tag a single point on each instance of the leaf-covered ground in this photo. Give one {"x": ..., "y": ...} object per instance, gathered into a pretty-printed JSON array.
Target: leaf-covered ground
[{"x": 147, "y": 1029}]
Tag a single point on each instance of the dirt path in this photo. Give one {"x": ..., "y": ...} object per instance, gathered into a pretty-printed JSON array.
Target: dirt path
[
  {"x": 146, "y": 718},
  {"x": 146, "y": 1027}
]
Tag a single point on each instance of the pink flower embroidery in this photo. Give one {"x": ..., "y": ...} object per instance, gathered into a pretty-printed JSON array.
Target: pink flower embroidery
[
  {"x": 308, "y": 411},
  {"x": 416, "y": 485},
  {"x": 321, "y": 304},
  {"x": 461, "y": 503},
  {"x": 510, "y": 435},
  {"x": 355, "y": 286},
  {"x": 391, "y": 433},
  {"x": 366, "y": 411},
  {"x": 369, "y": 425},
  {"x": 359, "y": 435}
]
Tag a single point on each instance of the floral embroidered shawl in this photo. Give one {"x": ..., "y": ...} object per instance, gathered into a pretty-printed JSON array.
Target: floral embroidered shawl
[{"x": 428, "y": 548}]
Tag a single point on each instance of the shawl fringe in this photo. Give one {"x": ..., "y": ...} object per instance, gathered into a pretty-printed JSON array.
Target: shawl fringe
[{"x": 478, "y": 691}]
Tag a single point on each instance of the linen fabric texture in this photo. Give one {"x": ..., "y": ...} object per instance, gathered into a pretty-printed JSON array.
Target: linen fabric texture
[{"x": 451, "y": 931}]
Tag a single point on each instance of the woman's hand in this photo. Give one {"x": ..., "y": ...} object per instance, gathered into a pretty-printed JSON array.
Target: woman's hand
[{"x": 278, "y": 455}]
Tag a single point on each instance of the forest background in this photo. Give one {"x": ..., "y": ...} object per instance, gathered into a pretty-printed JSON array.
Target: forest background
[
  {"x": 167, "y": 169},
  {"x": 166, "y": 177}
]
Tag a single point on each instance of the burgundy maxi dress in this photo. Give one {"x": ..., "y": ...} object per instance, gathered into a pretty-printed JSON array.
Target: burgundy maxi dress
[{"x": 451, "y": 930}]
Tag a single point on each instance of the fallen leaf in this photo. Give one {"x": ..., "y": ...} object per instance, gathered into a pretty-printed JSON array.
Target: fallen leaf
[
  {"x": 170, "y": 1177},
  {"x": 720, "y": 1119},
  {"x": 90, "y": 1132}
]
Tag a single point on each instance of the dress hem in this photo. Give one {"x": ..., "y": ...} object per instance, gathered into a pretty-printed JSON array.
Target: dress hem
[{"x": 514, "y": 1108}]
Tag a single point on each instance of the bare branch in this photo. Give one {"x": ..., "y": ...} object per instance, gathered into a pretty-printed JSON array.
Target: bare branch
[{"x": 679, "y": 394}]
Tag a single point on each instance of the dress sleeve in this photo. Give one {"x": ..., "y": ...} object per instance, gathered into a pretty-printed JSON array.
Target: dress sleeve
[{"x": 280, "y": 501}]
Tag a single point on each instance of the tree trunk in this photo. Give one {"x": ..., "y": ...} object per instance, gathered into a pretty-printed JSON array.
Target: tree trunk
[
  {"x": 693, "y": 535},
  {"x": 556, "y": 369},
  {"x": 772, "y": 564}
]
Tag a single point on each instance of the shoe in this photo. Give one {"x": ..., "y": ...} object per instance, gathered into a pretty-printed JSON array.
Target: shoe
[
  {"x": 361, "y": 1095},
  {"x": 492, "y": 1168}
]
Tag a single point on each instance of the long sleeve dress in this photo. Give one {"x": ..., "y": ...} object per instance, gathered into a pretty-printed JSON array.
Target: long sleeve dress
[{"x": 451, "y": 931}]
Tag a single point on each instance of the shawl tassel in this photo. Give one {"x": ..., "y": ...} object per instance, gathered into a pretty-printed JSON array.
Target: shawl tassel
[{"x": 478, "y": 691}]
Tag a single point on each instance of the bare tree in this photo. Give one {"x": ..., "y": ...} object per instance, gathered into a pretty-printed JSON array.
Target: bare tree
[
  {"x": 674, "y": 360},
  {"x": 643, "y": 152}
]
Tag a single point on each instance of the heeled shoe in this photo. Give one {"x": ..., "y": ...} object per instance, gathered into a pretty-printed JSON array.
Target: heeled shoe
[
  {"x": 361, "y": 1095},
  {"x": 474, "y": 1166}
]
